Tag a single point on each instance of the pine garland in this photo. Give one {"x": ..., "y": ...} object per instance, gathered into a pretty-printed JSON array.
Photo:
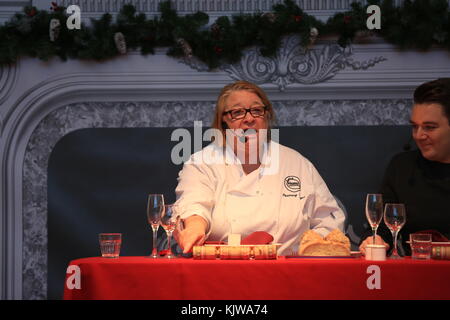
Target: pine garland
[{"x": 418, "y": 24}]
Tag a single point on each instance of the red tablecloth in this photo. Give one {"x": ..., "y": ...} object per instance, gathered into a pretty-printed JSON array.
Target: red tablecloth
[{"x": 285, "y": 278}]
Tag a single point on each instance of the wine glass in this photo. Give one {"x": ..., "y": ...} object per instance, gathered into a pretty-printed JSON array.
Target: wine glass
[
  {"x": 395, "y": 218},
  {"x": 155, "y": 208},
  {"x": 374, "y": 211},
  {"x": 169, "y": 221}
]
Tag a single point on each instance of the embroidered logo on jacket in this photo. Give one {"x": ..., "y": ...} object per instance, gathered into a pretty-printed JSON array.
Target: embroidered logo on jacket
[{"x": 292, "y": 183}]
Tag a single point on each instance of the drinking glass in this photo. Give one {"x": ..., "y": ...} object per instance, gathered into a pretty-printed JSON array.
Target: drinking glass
[
  {"x": 421, "y": 245},
  {"x": 374, "y": 211},
  {"x": 110, "y": 244},
  {"x": 155, "y": 209},
  {"x": 169, "y": 221},
  {"x": 394, "y": 218}
]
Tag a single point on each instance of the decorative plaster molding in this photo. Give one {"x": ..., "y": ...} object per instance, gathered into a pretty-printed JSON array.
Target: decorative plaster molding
[
  {"x": 295, "y": 64},
  {"x": 321, "y": 9},
  {"x": 189, "y": 6},
  {"x": 7, "y": 79},
  {"x": 292, "y": 64}
]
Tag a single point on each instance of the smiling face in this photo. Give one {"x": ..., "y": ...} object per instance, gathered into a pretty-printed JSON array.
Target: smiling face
[
  {"x": 431, "y": 131},
  {"x": 247, "y": 100}
]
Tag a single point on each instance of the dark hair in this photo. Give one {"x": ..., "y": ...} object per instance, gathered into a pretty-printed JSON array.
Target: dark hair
[{"x": 436, "y": 91}]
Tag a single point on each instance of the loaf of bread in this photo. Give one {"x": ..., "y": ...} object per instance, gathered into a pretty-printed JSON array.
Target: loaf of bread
[{"x": 334, "y": 244}]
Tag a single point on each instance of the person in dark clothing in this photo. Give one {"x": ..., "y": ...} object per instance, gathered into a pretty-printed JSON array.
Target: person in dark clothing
[{"x": 421, "y": 178}]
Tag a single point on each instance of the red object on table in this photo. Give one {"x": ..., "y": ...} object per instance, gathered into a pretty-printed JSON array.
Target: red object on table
[
  {"x": 140, "y": 278},
  {"x": 258, "y": 237}
]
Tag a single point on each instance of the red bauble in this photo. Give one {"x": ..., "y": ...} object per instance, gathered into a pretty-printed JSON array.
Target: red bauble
[
  {"x": 55, "y": 7},
  {"x": 32, "y": 12}
]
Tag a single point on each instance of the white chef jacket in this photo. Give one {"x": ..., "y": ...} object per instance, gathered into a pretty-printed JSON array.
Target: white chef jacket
[{"x": 284, "y": 202}]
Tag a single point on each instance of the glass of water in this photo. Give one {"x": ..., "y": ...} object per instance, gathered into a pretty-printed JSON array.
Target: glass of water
[
  {"x": 421, "y": 245},
  {"x": 110, "y": 244}
]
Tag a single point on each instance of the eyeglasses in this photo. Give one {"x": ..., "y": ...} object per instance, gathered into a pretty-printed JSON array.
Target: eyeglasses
[{"x": 242, "y": 112}]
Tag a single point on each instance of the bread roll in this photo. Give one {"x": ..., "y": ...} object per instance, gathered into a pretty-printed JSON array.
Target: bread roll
[{"x": 334, "y": 244}]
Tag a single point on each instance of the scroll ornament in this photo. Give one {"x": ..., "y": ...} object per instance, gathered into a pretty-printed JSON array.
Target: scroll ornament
[{"x": 292, "y": 64}]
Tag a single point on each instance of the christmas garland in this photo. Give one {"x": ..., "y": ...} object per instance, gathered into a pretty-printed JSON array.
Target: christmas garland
[{"x": 418, "y": 24}]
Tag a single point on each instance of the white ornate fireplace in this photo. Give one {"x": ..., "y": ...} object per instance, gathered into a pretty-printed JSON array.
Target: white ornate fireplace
[{"x": 40, "y": 102}]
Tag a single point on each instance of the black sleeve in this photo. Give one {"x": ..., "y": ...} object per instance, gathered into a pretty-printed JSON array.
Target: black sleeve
[
  {"x": 388, "y": 184},
  {"x": 389, "y": 196}
]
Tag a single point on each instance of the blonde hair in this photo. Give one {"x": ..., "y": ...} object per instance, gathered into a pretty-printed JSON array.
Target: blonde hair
[{"x": 219, "y": 124}]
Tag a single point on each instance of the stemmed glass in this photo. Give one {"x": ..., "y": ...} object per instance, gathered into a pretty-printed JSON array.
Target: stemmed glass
[
  {"x": 169, "y": 221},
  {"x": 155, "y": 209},
  {"x": 374, "y": 211},
  {"x": 395, "y": 218}
]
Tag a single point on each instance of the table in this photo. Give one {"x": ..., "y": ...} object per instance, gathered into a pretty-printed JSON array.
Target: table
[{"x": 138, "y": 278}]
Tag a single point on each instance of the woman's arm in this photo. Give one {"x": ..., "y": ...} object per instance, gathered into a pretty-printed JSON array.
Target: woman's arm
[
  {"x": 195, "y": 200},
  {"x": 193, "y": 234}
]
